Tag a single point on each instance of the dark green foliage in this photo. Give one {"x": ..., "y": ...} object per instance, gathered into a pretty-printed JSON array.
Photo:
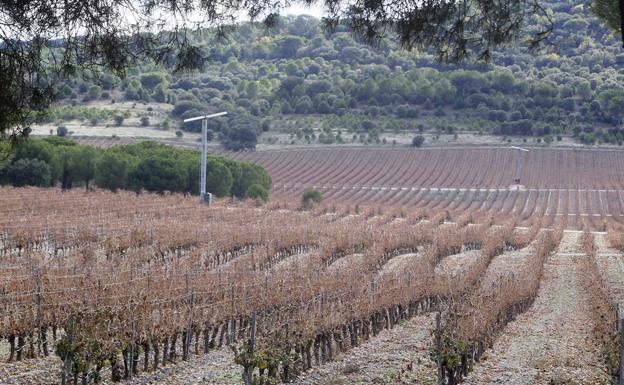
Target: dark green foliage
[
  {"x": 255, "y": 191},
  {"x": 95, "y": 91},
  {"x": 608, "y": 12},
  {"x": 247, "y": 174},
  {"x": 29, "y": 172},
  {"x": 258, "y": 75},
  {"x": 109, "y": 35},
  {"x": 240, "y": 138},
  {"x": 156, "y": 174},
  {"x": 418, "y": 141},
  {"x": 111, "y": 171},
  {"x": 61, "y": 131},
  {"x": 311, "y": 196},
  {"x": 587, "y": 138},
  {"x": 142, "y": 166},
  {"x": 218, "y": 177},
  {"x": 151, "y": 80}
]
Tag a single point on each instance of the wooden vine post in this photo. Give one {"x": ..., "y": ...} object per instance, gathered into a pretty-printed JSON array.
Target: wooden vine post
[
  {"x": 67, "y": 362},
  {"x": 42, "y": 343},
  {"x": 132, "y": 330},
  {"x": 438, "y": 347},
  {"x": 189, "y": 330},
  {"x": 251, "y": 343},
  {"x": 131, "y": 349}
]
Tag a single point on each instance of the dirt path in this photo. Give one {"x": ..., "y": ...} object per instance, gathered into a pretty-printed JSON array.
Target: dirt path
[
  {"x": 611, "y": 267},
  {"x": 396, "y": 356},
  {"x": 215, "y": 368},
  {"x": 551, "y": 343}
]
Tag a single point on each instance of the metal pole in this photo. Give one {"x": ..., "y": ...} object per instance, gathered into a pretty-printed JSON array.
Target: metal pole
[
  {"x": 204, "y": 140},
  {"x": 202, "y": 182}
]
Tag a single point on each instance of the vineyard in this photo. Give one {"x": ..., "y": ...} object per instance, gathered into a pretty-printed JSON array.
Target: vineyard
[
  {"x": 103, "y": 287},
  {"x": 582, "y": 185}
]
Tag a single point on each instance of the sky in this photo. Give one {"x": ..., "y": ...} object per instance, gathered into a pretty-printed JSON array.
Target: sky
[{"x": 302, "y": 9}]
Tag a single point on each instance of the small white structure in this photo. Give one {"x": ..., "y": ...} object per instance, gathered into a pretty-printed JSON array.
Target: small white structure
[{"x": 202, "y": 178}]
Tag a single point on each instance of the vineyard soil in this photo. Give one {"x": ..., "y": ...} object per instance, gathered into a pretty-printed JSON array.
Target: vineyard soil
[
  {"x": 552, "y": 342},
  {"x": 396, "y": 356}
]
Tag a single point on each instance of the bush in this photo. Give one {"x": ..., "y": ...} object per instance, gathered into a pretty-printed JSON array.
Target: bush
[
  {"x": 256, "y": 191},
  {"x": 157, "y": 174},
  {"x": 418, "y": 141},
  {"x": 30, "y": 172},
  {"x": 311, "y": 196},
  {"x": 179, "y": 134},
  {"x": 145, "y": 121},
  {"x": 239, "y": 139},
  {"x": 118, "y": 120}
]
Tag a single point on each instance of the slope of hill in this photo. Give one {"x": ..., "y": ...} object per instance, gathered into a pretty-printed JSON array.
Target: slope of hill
[{"x": 298, "y": 84}]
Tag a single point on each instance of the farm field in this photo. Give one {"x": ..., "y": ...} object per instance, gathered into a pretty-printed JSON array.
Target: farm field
[
  {"x": 105, "y": 287},
  {"x": 581, "y": 185}
]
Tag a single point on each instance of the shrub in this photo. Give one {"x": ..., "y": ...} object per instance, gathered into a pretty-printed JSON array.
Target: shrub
[
  {"x": 179, "y": 134},
  {"x": 256, "y": 191},
  {"x": 118, "y": 120},
  {"x": 145, "y": 121},
  {"x": 61, "y": 131},
  {"x": 418, "y": 141},
  {"x": 311, "y": 196}
]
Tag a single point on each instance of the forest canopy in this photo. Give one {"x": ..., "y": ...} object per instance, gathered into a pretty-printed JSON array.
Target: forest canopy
[
  {"x": 268, "y": 78},
  {"x": 42, "y": 42}
]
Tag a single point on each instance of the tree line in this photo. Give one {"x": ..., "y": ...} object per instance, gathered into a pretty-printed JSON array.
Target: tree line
[
  {"x": 265, "y": 76},
  {"x": 149, "y": 166}
]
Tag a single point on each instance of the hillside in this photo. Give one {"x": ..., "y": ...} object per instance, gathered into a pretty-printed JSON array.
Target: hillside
[{"x": 297, "y": 84}]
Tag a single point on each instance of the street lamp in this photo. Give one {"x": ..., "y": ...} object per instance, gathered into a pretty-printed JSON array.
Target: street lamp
[
  {"x": 202, "y": 179},
  {"x": 516, "y": 180}
]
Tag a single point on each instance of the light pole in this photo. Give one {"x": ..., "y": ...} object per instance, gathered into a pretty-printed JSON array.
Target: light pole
[
  {"x": 202, "y": 172},
  {"x": 516, "y": 180}
]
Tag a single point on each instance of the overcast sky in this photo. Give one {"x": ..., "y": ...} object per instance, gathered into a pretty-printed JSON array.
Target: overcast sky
[{"x": 301, "y": 9}]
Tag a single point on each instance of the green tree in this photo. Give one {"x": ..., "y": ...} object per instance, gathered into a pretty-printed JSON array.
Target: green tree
[
  {"x": 256, "y": 191},
  {"x": 152, "y": 79},
  {"x": 111, "y": 171},
  {"x": 218, "y": 178},
  {"x": 418, "y": 141},
  {"x": 157, "y": 174},
  {"x": 83, "y": 164},
  {"x": 247, "y": 175},
  {"x": 240, "y": 138},
  {"x": 95, "y": 91},
  {"x": 67, "y": 156},
  {"x": 160, "y": 93},
  {"x": 112, "y": 36},
  {"x": 43, "y": 151},
  {"x": 29, "y": 172}
]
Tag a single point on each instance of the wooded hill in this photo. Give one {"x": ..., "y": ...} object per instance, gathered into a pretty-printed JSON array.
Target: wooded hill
[{"x": 268, "y": 79}]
